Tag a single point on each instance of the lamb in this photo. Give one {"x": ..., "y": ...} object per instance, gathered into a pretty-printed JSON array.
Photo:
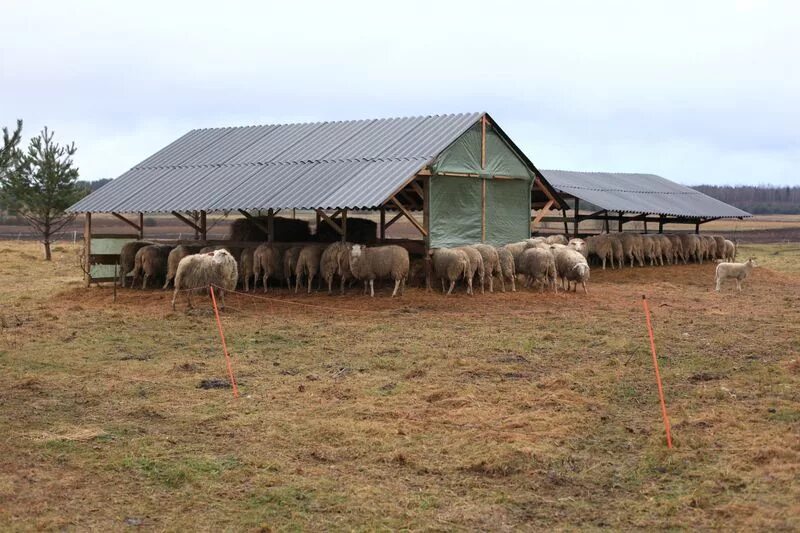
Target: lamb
[
  {"x": 730, "y": 251},
  {"x": 267, "y": 263},
  {"x": 369, "y": 264},
  {"x": 571, "y": 266},
  {"x": 507, "y": 267},
  {"x": 632, "y": 247},
  {"x": 175, "y": 256},
  {"x": 127, "y": 258},
  {"x": 450, "y": 264},
  {"x": 217, "y": 268},
  {"x": 335, "y": 262},
  {"x": 150, "y": 261},
  {"x": 491, "y": 264},
  {"x": 290, "y": 258},
  {"x": 737, "y": 271},
  {"x": 308, "y": 264},
  {"x": 538, "y": 266},
  {"x": 556, "y": 239},
  {"x": 476, "y": 266}
]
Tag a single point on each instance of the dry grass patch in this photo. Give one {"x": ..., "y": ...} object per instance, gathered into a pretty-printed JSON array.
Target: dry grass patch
[{"x": 505, "y": 411}]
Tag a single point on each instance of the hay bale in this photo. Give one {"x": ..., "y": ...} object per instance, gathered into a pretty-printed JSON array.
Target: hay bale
[
  {"x": 286, "y": 230},
  {"x": 359, "y": 230}
]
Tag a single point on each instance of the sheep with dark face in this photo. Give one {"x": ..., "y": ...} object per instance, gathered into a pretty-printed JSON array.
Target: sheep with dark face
[
  {"x": 450, "y": 265},
  {"x": 151, "y": 262},
  {"x": 507, "y": 268},
  {"x": 175, "y": 256},
  {"x": 199, "y": 271},
  {"x": 127, "y": 258},
  {"x": 380, "y": 262}
]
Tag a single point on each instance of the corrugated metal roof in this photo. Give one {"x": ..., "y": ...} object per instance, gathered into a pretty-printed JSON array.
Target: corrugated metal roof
[
  {"x": 353, "y": 164},
  {"x": 639, "y": 193}
]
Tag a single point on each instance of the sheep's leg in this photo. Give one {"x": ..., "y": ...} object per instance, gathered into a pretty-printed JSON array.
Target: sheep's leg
[
  {"x": 403, "y": 285},
  {"x": 264, "y": 281},
  {"x": 341, "y": 285},
  {"x": 491, "y": 284},
  {"x": 482, "y": 281},
  {"x": 221, "y": 300},
  {"x": 513, "y": 284},
  {"x": 372, "y": 288},
  {"x": 330, "y": 285},
  {"x": 738, "y": 285},
  {"x": 452, "y": 284},
  {"x": 584, "y": 287},
  {"x": 396, "y": 287},
  {"x": 174, "y": 296},
  {"x": 247, "y": 283},
  {"x": 310, "y": 281},
  {"x": 502, "y": 282},
  {"x": 166, "y": 283},
  {"x": 189, "y": 300},
  {"x": 469, "y": 286},
  {"x": 144, "y": 281}
]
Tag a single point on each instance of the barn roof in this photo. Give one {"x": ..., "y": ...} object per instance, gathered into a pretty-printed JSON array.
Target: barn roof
[
  {"x": 327, "y": 165},
  {"x": 639, "y": 193}
]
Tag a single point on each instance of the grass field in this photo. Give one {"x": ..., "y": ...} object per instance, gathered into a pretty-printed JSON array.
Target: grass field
[{"x": 496, "y": 412}]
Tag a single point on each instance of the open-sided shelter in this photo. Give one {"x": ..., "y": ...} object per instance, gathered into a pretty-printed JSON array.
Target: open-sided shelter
[{"x": 467, "y": 177}]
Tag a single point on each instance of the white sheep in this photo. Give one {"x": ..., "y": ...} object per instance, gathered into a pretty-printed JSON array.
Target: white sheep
[
  {"x": 450, "y": 264},
  {"x": 538, "y": 266},
  {"x": 737, "y": 271},
  {"x": 331, "y": 264},
  {"x": 475, "y": 266},
  {"x": 308, "y": 265},
  {"x": 579, "y": 245},
  {"x": 369, "y": 264},
  {"x": 556, "y": 239},
  {"x": 507, "y": 267},
  {"x": 267, "y": 260},
  {"x": 730, "y": 251},
  {"x": 174, "y": 258},
  {"x": 491, "y": 264},
  {"x": 571, "y": 266},
  {"x": 199, "y": 271}
]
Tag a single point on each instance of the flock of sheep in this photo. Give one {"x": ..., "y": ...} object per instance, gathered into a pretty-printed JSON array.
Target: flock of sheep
[{"x": 546, "y": 262}]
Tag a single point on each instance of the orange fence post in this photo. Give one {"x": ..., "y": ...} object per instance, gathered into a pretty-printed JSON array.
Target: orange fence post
[
  {"x": 224, "y": 346},
  {"x": 658, "y": 375}
]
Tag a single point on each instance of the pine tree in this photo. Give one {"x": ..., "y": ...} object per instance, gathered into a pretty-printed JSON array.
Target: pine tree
[{"x": 40, "y": 184}]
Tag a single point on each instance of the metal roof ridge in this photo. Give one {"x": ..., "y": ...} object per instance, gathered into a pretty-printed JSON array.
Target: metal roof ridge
[{"x": 320, "y": 122}]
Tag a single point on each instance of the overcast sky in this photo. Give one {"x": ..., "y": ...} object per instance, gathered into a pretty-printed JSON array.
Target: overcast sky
[{"x": 698, "y": 92}]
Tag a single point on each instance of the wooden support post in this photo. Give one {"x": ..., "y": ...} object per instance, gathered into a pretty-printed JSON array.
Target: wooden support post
[
  {"x": 483, "y": 209},
  {"x": 270, "y": 225},
  {"x": 661, "y": 224},
  {"x": 577, "y": 217},
  {"x": 319, "y": 220},
  {"x": 203, "y": 226},
  {"x": 344, "y": 225},
  {"x": 621, "y": 221},
  {"x": 188, "y": 222},
  {"x": 697, "y": 227},
  {"x": 383, "y": 224},
  {"x": 87, "y": 247},
  {"x": 645, "y": 226},
  {"x": 483, "y": 142},
  {"x": 566, "y": 224},
  {"x": 426, "y": 212},
  {"x": 605, "y": 223},
  {"x": 196, "y": 219},
  {"x": 141, "y": 225}
]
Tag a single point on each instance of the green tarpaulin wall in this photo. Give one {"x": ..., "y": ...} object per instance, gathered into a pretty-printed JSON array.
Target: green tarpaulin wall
[{"x": 455, "y": 202}]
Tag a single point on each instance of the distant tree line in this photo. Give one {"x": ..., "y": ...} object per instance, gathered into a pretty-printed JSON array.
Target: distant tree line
[{"x": 757, "y": 199}]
